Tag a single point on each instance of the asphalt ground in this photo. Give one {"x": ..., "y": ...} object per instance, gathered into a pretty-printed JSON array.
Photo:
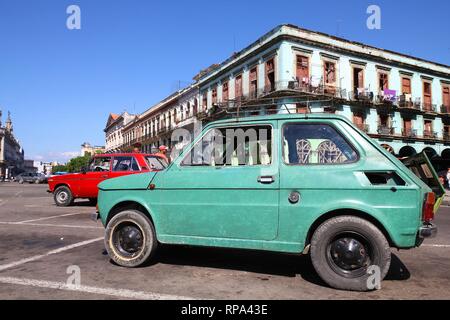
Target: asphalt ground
[{"x": 43, "y": 249}]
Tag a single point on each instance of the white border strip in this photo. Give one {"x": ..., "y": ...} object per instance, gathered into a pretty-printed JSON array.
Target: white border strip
[
  {"x": 34, "y": 258},
  {"x": 120, "y": 293}
]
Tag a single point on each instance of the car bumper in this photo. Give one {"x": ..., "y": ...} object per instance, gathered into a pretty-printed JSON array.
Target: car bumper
[{"x": 428, "y": 231}]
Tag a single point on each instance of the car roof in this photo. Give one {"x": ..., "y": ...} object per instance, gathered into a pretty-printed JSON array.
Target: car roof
[
  {"x": 283, "y": 116},
  {"x": 125, "y": 154}
]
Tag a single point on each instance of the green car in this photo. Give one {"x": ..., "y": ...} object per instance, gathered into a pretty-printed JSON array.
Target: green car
[{"x": 306, "y": 184}]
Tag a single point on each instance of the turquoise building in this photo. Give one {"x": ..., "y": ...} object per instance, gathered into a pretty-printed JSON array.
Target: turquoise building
[{"x": 401, "y": 101}]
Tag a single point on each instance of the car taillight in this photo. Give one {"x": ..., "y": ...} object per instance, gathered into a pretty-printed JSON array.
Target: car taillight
[{"x": 428, "y": 207}]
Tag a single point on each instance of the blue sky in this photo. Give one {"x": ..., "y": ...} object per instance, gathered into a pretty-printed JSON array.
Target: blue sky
[{"x": 60, "y": 85}]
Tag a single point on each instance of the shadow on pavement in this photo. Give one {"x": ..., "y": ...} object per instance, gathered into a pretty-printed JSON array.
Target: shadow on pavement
[{"x": 265, "y": 263}]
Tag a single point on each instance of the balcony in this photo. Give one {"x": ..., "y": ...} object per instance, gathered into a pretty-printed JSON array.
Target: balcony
[
  {"x": 445, "y": 109},
  {"x": 446, "y": 136},
  {"x": 385, "y": 130},
  {"x": 427, "y": 134},
  {"x": 406, "y": 102},
  {"x": 429, "y": 107},
  {"x": 362, "y": 95},
  {"x": 409, "y": 133}
]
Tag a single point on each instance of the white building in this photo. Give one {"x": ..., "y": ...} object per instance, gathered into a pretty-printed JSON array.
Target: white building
[{"x": 113, "y": 130}]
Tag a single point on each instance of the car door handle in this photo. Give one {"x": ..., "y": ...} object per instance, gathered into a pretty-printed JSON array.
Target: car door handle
[{"x": 266, "y": 179}]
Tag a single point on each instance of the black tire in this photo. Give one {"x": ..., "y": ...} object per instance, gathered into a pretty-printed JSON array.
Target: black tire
[
  {"x": 337, "y": 265},
  {"x": 130, "y": 239},
  {"x": 63, "y": 196},
  {"x": 93, "y": 201}
]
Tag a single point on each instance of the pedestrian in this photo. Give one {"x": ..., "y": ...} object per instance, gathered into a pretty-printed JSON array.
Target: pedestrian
[
  {"x": 163, "y": 153},
  {"x": 137, "y": 148},
  {"x": 448, "y": 178}
]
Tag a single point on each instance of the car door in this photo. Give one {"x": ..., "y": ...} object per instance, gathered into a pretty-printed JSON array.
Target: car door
[
  {"x": 225, "y": 186},
  {"x": 98, "y": 171},
  {"x": 123, "y": 165},
  {"x": 421, "y": 166}
]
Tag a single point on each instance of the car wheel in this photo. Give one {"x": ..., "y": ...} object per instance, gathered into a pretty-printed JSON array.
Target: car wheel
[
  {"x": 63, "y": 196},
  {"x": 21, "y": 181},
  {"x": 36, "y": 181},
  {"x": 347, "y": 251},
  {"x": 130, "y": 238}
]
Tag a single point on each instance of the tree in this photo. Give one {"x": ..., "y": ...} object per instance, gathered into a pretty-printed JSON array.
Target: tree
[
  {"x": 59, "y": 168},
  {"x": 75, "y": 164}
]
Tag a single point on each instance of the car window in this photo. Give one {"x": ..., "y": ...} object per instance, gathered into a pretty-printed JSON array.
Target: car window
[
  {"x": 125, "y": 164},
  {"x": 100, "y": 164},
  {"x": 134, "y": 165},
  {"x": 156, "y": 163},
  {"x": 232, "y": 146},
  {"x": 308, "y": 144}
]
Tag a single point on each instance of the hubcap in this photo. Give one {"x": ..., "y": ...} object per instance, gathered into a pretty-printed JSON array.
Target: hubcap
[
  {"x": 128, "y": 239},
  {"x": 62, "y": 196},
  {"x": 349, "y": 255}
]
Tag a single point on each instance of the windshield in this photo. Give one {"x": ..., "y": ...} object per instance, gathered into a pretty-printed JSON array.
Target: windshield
[{"x": 156, "y": 163}]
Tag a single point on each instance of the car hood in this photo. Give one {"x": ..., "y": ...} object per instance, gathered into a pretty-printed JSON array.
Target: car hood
[{"x": 129, "y": 182}]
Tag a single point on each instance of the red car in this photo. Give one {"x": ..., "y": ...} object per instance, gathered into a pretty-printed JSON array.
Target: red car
[{"x": 67, "y": 188}]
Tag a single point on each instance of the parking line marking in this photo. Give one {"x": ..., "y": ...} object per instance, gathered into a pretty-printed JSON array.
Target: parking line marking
[
  {"x": 51, "y": 217},
  {"x": 50, "y": 225},
  {"x": 437, "y": 245},
  {"x": 37, "y": 257},
  {"x": 120, "y": 293}
]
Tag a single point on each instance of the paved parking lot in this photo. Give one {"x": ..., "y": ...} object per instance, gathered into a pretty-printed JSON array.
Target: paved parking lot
[{"x": 41, "y": 245}]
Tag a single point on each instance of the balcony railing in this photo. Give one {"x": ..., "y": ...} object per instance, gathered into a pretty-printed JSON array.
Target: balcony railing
[
  {"x": 429, "y": 107},
  {"x": 385, "y": 130},
  {"x": 409, "y": 133},
  {"x": 406, "y": 102},
  {"x": 429, "y": 134},
  {"x": 361, "y": 95},
  {"x": 446, "y": 136}
]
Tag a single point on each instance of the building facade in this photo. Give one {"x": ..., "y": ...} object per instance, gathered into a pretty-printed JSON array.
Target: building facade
[
  {"x": 114, "y": 131},
  {"x": 11, "y": 153},
  {"x": 401, "y": 101}
]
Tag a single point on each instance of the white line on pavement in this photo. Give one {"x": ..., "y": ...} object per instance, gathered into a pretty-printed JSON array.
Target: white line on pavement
[
  {"x": 437, "y": 245},
  {"x": 34, "y": 258},
  {"x": 120, "y": 293},
  {"x": 51, "y": 217},
  {"x": 50, "y": 225}
]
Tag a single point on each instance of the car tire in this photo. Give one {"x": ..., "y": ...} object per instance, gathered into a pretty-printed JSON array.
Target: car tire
[
  {"x": 350, "y": 253},
  {"x": 21, "y": 181},
  {"x": 63, "y": 196},
  {"x": 130, "y": 239}
]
